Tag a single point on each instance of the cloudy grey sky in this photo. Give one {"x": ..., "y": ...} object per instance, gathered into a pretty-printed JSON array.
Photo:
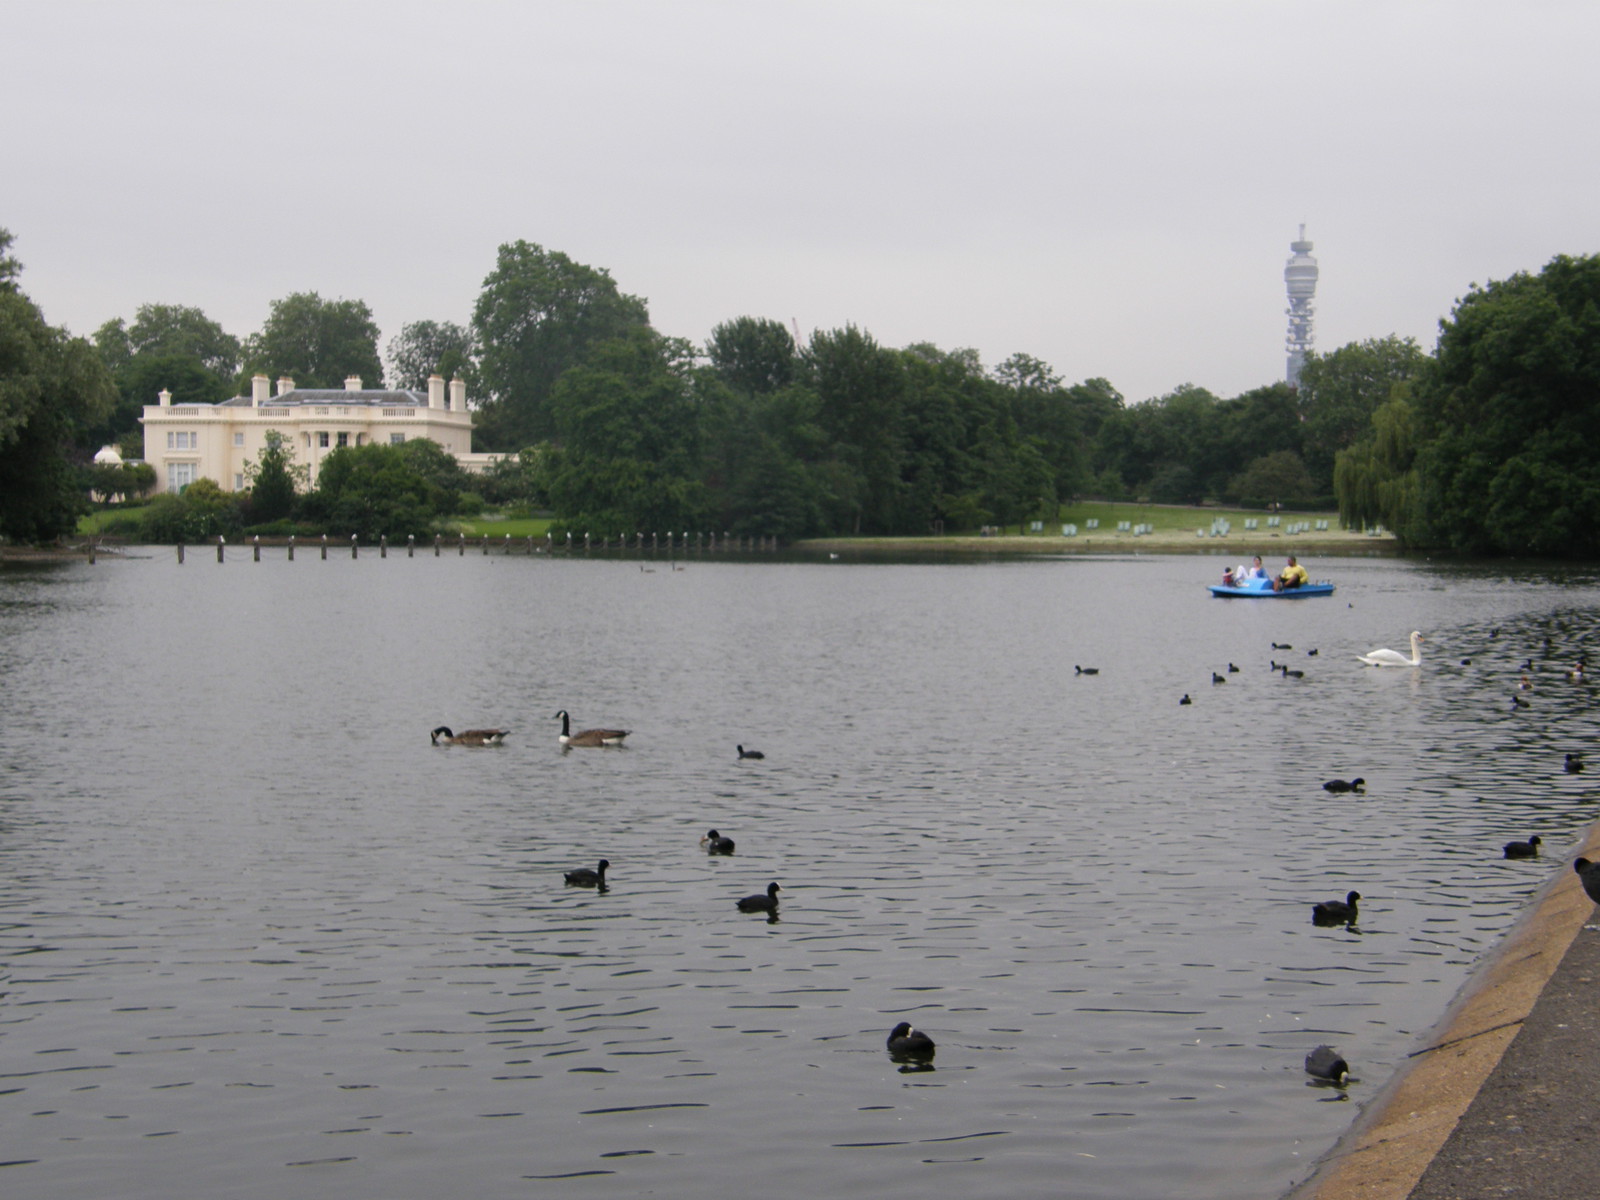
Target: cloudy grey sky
[{"x": 1109, "y": 185}]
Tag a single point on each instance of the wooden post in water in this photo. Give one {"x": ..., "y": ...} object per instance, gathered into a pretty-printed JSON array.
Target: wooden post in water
[
  {"x": 324, "y": 547},
  {"x": 437, "y": 539},
  {"x": 180, "y": 553},
  {"x": 508, "y": 545},
  {"x": 463, "y": 551},
  {"x": 219, "y": 547},
  {"x": 91, "y": 552},
  {"x": 411, "y": 545},
  {"x": 291, "y": 547},
  {"x": 352, "y": 545},
  {"x": 255, "y": 547},
  {"x": 383, "y": 545}
]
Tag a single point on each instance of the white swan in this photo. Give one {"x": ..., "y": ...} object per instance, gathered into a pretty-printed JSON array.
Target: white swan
[{"x": 1393, "y": 658}]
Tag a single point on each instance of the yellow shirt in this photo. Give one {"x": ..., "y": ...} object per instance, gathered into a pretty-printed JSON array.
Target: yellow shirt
[{"x": 1295, "y": 575}]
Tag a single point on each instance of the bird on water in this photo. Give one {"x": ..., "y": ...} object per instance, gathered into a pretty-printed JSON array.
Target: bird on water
[
  {"x": 469, "y": 737},
  {"x": 589, "y": 737},
  {"x": 1393, "y": 658},
  {"x": 715, "y": 843},
  {"x": 1527, "y": 849},
  {"x": 743, "y": 753},
  {"x": 1345, "y": 785},
  {"x": 1336, "y": 912},
  {"x": 585, "y": 877},
  {"x": 906, "y": 1042},
  {"x": 767, "y": 903},
  {"x": 1327, "y": 1063}
]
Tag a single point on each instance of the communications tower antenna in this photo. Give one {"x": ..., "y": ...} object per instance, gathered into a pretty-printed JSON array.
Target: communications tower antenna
[{"x": 1300, "y": 277}]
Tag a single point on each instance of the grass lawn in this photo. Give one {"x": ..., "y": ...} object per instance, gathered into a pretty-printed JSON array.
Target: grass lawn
[
  {"x": 1165, "y": 518},
  {"x": 517, "y": 527}
]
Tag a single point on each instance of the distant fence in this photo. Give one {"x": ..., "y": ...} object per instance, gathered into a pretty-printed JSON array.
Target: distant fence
[{"x": 648, "y": 544}]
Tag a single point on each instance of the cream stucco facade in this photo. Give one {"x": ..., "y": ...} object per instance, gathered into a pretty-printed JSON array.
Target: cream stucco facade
[{"x": 186, "y": 442}]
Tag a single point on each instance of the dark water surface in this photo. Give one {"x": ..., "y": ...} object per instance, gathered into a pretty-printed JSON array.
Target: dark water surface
[{"x": 260, "y": 939}]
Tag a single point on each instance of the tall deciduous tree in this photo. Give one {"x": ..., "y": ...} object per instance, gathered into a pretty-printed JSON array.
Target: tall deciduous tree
[
  {"x": 316, "y": 342},
  {"x": 52, "y": 387},
  {"x": 1340, "y": 391},
  {"x": 753, "y": 355},
  {"x": 1511, "y": 418},
  {"x": 176, "y": 329},
  {"x": 539, "y": 314},
  {"x": 425, "y": 348},
  {"x": 629, "y": 438}
]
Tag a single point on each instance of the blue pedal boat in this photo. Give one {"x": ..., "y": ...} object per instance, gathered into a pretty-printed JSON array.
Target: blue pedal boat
[{"x": 1261, "y": 589}]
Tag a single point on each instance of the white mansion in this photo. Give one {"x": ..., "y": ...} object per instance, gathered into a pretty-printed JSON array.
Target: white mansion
[{"x": 187, "y": 442}]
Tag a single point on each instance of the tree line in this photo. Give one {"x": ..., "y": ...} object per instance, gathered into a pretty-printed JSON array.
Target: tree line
[{"x": 616, "y": 428}]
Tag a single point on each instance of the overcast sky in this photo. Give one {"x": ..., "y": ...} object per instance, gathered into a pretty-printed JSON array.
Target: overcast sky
[{"x": 1109, "y": 186}]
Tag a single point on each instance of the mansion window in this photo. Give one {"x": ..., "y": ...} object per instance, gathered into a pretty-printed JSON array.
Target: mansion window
[
  {"x": 182, "y": 440},
  {"x": 180, "y": 476},
  {"x": 344, "y": 439},
  {"x": 238, "y": 439},
  {"x": 322, "y": 439},
  {"x": 397, "y": 439}
]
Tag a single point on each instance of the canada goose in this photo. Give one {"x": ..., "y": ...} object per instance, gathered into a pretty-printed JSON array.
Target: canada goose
[
  {"x": 1527, "y": 849},
  {"x": 1232, "y": 670},
  {"x": 1589, "y": 876},
  {"x": 469, "y": 737},
  {"x": 1325, "y": 1063},
  {"x": 1519, "y": 702},
  {"x": 1077, "y": 670},
  {"x": 584, "y": 877},
  {"x": 1216, "y": 679},
  {"x": 767, "y": 903},
  {"x": 1343, "y": 785},
  {"x": 715, "y": 843},
  {"x": 1393, "y": 658},
  {"x": 589, "y": 737},
  {"x": 1291, "y": 673},
  {"x": 1335, "y": 912},
  {"x": 906, "y": 1042},
  {"x": 1186, "y": 699},
  {"x": 743, "y": 753},
  {"x": 1282, "y": 646}
]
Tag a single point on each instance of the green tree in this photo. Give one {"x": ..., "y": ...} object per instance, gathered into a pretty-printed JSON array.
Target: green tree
[
  {"x": 1276, "y": 478},
  {"x": 52, "y": 388},
  {"x": 425, "y": 348},
  {"x": 1341, "y": 390},
  {"x": 1375, "y": 480},
  {"x": 377, "y": 490},
  {"x": 274, "y": 479},
  {"x": 538, "y": 315},
  {"x": 176, "y": 329},
  {"x": 1511, "y": 418},
  {"x": 318, "y": 343},
  {"x": 753, "y": 355},
  {"x": 859, "y": 387},
  {"x": 629, "y": 439}
]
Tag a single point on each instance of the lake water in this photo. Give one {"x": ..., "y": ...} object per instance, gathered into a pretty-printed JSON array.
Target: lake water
[{"x": 261, "y": 939}]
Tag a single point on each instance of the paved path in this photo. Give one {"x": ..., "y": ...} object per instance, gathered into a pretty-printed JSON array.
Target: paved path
[{"x": 1503, "y": 1100}]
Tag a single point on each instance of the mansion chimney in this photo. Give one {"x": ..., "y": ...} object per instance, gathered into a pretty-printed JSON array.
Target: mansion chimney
[
  {"x": 260, "y": 390},
  {"x": 435, "y": 391},
  {"x": 458, "y": 395},
  {"x": 285, "y": 385}
]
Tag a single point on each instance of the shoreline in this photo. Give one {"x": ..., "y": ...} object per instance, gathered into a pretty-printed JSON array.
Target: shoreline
[
  {"x": 1331, "y": 543},
  {"x": 1418, "y": 1116}
]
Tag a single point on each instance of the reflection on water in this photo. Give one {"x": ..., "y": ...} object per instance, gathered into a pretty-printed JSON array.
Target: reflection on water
[{"x": 248, "y": 904}]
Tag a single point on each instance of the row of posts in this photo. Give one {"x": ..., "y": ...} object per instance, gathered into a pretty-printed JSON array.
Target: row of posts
[{"x": 702, "y": 541}]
